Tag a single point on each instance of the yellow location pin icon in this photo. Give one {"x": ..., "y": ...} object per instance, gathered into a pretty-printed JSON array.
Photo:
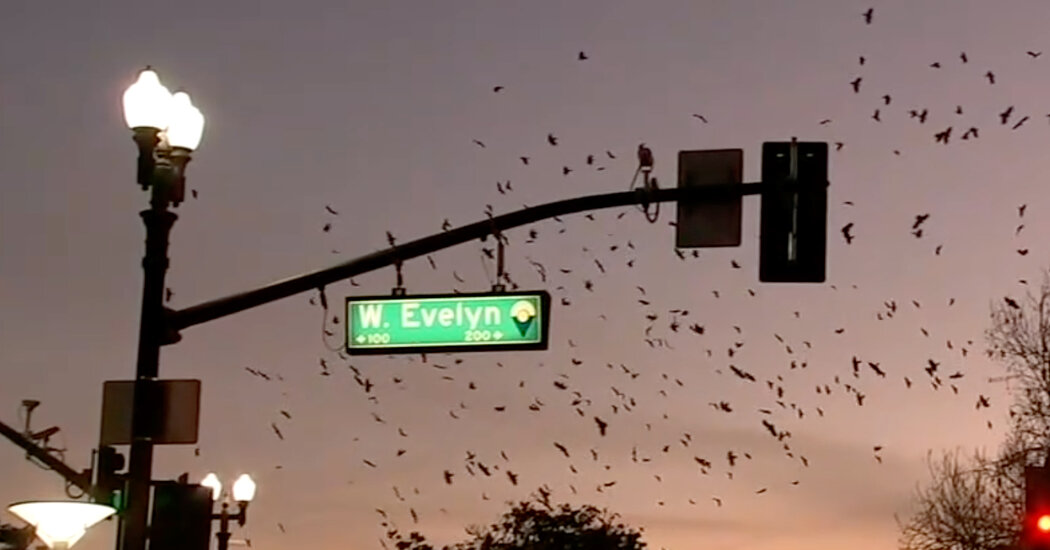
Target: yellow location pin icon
[{"x": 523, "y": 313}]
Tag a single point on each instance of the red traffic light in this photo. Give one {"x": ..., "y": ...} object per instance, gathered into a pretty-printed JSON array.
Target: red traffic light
[{"x": 1043, "y": 523}]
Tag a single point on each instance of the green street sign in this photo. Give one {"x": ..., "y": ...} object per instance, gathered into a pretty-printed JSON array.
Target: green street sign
[{"x": 447, "y": 322}]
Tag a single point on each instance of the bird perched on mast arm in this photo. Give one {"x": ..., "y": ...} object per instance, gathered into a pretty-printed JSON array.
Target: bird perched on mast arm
[{"x": 645, "y": 158}]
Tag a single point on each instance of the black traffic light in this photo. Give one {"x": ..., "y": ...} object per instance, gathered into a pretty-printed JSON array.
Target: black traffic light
[
  {"x": 181, "y": 516},
  {"x": 109, "y": 484},
  {"x": 1036, "y": 529},
  {"x": 794, "y": 227}
]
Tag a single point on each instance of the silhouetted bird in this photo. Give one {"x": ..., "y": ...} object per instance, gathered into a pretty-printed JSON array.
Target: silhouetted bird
[
  {"x": 846, "y": 232},
  {"x": 868, "y": 14},
  {"x": 856, "y": 85}
]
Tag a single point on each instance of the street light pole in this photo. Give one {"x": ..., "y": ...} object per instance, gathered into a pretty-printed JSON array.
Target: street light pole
[
  {"x": 166, "y": 129},
  {"x": 159, "y": 221}
]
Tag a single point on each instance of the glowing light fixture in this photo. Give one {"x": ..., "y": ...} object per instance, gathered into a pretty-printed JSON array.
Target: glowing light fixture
[
  {"x": 147, "y": 103},
  {"x": 60, "y": 524},
  {"x": 186, "y": 125},
  {"x": 212, "y": 482},
  {"x": 244, "y": 489}
]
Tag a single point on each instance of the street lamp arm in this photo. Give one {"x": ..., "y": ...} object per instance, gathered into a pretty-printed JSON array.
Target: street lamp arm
[
  {"x": 214, "y": 309},
  {"x": 81, "y": 480}
]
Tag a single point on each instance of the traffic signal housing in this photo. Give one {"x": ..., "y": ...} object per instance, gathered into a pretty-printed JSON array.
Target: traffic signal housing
[
  {"x": 109, "y": 484},
  {"x": 1036, "y": 530},
  {"x": 794, "y": 216},
  {"x": 181, "y": 516}
]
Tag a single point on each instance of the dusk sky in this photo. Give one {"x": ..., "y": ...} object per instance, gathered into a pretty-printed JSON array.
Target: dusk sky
[{"x": 372, "y": 107}]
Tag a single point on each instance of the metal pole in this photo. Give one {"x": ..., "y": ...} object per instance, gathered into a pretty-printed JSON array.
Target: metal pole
[
  {"x": 80, "y": 480},
  {"x": 158, "y": 220},
  {"x": 224, "y": 527},
  {"x": 208, "y": 311}
]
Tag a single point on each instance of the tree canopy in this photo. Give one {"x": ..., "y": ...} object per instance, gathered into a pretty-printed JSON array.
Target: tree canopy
[{"x": 537, "y": 524}]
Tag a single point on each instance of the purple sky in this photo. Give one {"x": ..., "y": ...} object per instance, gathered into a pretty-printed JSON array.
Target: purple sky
[{"x": 371, "y": 108}]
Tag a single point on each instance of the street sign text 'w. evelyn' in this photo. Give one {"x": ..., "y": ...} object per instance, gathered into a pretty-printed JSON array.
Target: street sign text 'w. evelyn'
[{"x": 447, "y": 322}]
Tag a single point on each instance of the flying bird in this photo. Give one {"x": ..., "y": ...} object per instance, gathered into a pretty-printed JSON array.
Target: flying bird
[
  {"x": 551, "y": 139},
  {"x": 962, "y": 56},
  {"x": 1005, "y": 115},
  {"x": 942, "y": 137},
  {"x": 1034, "y": 55},
  {"x": 856, "y": 85},
  {"x": 847, "y": 232},
  {"x": 582, "y": 56},
  {"x": 990, "y": 76},
  {"x": 867, "y": 15},
  {"x": 479, "y": 143},
  {"x": 1020, "y": 122},
  {"x": 497, "y": 88}
]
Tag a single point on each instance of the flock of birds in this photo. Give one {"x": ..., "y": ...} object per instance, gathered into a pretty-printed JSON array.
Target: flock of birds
[{"x": 665, "y": 328}]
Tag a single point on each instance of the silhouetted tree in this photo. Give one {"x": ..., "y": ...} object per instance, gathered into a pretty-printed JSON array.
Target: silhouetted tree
[
  {"x": 538, "y": 525},
  {"x": 970, "y": 503},
  {"x": 977, "y": 503}
]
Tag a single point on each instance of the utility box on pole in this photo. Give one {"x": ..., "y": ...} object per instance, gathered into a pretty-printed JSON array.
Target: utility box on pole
[
  {"x": 709, "y": 223},
  {"x": 793, "y": 240},
  {"x": 181, "y": 516}
]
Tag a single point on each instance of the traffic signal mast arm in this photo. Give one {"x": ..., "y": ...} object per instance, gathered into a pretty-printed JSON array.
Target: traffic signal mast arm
[
  {"x": 80, "y": 480},
  {"x": 208, "y": 311}
]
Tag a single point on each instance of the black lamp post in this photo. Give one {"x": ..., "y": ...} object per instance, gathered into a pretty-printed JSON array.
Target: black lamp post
[{"x": 166, "y": 128}]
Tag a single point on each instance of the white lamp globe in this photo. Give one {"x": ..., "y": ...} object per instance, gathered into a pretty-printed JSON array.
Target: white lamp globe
[
  {"x": 244, "y": 489},
  {"x": 147, "y": 103},
  {"x": 212, "y": 482},
  {"x": 186, "y": 125},
  {"x": 60, "y": 524}
]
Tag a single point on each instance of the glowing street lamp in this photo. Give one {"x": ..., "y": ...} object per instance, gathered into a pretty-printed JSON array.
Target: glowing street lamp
[
  {"x": 60, "y": 524},
  {"x": 166, "y": 128},
  {"x": 243, "y": 493}
]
